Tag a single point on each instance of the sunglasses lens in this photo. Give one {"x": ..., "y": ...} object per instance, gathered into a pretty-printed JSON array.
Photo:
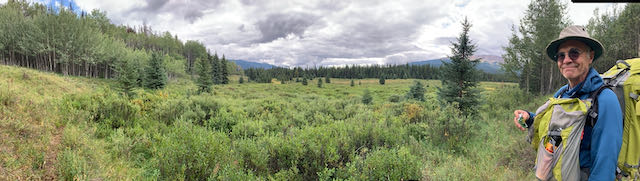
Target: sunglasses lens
[
  {"x": 560, "y": 56},
  {"x": 574, "y": 54}
]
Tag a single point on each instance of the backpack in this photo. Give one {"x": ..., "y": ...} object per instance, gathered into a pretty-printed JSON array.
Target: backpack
[
  {"x": 555, "y": 134},
  {"x": 624, "y": 80}
]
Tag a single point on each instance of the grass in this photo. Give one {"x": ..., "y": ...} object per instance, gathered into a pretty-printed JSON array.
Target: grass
[{"x": 54, "y": 129}]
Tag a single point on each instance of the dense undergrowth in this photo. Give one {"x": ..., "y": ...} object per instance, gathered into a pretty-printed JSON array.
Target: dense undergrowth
[{"x": 255, "y": 131}]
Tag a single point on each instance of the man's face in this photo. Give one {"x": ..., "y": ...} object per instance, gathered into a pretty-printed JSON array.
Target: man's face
[{"x": 574, "y": 70}]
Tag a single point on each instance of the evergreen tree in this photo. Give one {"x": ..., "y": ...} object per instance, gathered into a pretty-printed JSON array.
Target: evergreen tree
[
  {"x": 416, "y": 91},
  {"x": 320, "y": 82},
  {"x": 127, "y": 76},
  {"x": 381, "y": 81},
  {"x": 352, "y": 84},
  {"x": 241, "y": 80},
  {"x": 224, "y": 75},
  {"x": 203, "y": 70},
  {"x": 304, "y": 81},
  {"x": 459, "y": 77},
  {"x": 216, "y": 71},
  {"x": 156, "y": 77},
  {"x": 327, "y": 79},
  {"x": 367, "y": 98}
]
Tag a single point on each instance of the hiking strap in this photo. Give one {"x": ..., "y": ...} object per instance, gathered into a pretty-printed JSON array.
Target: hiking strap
[
  {"x": 622, "y": 62},
  {"x": 592, "y": 113},
  {"x": 632, "y": 166},
  {"x": 634, "y": 96}
]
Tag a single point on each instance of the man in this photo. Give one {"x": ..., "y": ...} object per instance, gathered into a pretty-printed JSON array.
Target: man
[{"x": 574, "y": 52}]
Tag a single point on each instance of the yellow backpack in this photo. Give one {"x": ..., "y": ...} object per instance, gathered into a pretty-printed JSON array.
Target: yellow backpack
[
  {"x": 624, "y": 80},
  {"x": 555, "y": 134}
]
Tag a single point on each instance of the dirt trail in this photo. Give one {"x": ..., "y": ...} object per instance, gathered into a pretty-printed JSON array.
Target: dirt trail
[{"x": 51, "y": 157}]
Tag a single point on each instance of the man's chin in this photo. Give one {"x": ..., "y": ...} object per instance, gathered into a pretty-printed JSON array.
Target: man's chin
[{"x": 569, "y": 76}]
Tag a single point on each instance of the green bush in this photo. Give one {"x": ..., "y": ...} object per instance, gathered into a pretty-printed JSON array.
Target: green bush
[
  {"x": 192, "y": 153},
  {"x": 202, "y": 109},
  {"x": 366, "y": 97},
  {"x": 254, "y": 155},
  {"x": 394, "y": 98},
  {"x": 116, "y": 112},
  {"x": 383, "y": 164},
  {"x": 170, "y": 110},
  {"x": 225, "y": 119},
  {"x": 451, "y": 129},
  {"x": 106, "y": 108}
]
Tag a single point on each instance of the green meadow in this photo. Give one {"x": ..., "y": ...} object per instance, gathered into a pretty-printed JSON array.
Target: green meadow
[{"x": 76, "y": 128}]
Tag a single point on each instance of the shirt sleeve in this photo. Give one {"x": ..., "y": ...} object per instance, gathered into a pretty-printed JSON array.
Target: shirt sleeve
[
  {"x": 529, "y": 121},
  {"x": 606, "y": 137}
]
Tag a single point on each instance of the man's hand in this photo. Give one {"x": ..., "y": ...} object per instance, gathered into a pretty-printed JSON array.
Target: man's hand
[{"x": 525, "y": 117}]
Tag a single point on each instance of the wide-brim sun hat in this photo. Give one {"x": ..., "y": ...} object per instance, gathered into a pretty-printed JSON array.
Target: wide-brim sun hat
[{"x": 574, "y": 33}]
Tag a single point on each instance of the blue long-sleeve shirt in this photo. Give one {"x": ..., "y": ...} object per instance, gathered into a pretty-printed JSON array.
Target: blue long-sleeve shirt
[{"x": 601, "y": 143}]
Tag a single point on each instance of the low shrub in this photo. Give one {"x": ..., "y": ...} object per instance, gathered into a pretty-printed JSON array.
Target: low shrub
[
  {"x": 451, "y": 129},
  {"x": 202, "y": 109},
  {"x": 170, "y": 110},
  {"x": 366, "y": 97},
  {"x": 192, "y": 153},
  {"x": 8, "y": 97},
  {"x": 383, "y": 164},
  {"x": 254, "y": 155},
  {"x": 225, "y": 119},
  {"x": 395, "y": 98}
]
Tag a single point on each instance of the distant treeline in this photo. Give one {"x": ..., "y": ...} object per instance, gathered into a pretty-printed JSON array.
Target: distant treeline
[
  {"x": 87, "y": 44},
  {"x": 405, "y": 71}
]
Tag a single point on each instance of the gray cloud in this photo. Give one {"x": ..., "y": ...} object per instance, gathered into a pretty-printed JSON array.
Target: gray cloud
[
  {"x": 153, "y": 5},
  {"x": 190, "y": 11},
  {"x": 280, "y": 25},
  {"x": 445, "y": 40},
  {"x": 324, "y": 32}
]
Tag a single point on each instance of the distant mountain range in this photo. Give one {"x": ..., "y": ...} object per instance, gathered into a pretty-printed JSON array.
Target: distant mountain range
[
  {"x": 247, "y": 64},
  {"x": 488, "y": 63}
]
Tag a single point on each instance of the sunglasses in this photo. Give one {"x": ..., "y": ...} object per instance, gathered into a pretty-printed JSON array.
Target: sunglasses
[{"x": 574, "y": 53}]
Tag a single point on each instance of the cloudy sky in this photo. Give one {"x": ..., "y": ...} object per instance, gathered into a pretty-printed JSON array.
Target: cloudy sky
[{"x": 329, "y": 32}]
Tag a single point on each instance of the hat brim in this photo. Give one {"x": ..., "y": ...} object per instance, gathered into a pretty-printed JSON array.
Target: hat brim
[{"x": 596, "y": 46}]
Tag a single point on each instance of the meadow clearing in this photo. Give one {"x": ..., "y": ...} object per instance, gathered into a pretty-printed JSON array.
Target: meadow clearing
[{"x": 67, "y": 128}]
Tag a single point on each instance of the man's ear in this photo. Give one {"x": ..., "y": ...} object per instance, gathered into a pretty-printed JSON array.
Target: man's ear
[{"x": 593, "y": 54}]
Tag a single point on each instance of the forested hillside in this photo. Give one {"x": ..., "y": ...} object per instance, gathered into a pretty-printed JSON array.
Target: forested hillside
[{"x": 88, "y": 44}]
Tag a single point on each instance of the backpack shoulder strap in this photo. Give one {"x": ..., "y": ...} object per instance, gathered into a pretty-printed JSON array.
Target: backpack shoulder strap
[{"x": 592, "y": 113}]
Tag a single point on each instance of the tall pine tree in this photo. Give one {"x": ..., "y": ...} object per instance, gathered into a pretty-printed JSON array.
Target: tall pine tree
[
  {"x": 127, "y": 76},
  {"x": 459, "y": 77},
  {"x": 215, "y": 69},
  {"x": 156, "y": 76},
  {"x": 224, "y": 79},
  {"x": 203, "y": 70}
]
